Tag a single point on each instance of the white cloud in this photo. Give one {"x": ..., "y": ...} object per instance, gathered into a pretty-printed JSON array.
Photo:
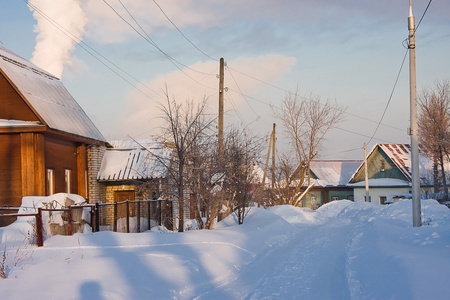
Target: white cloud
[{"x": 141, "y": 115}]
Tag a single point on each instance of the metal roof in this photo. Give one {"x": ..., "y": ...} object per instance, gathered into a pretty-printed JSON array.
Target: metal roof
[
  {"x": 47, "y": 96},
  {"x": 334, "y": 172},
  {"x": 142, "y": 162},
  {"x": 400, "y": 154}
]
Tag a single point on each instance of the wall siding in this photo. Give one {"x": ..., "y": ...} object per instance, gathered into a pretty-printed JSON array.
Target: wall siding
[
  {"x": 10, "y": 170},
  {"x": 61, "y": 155},
  {"x": 12, "y": 106}
]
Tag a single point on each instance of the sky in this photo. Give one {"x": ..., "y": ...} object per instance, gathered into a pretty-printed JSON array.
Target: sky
[
  {"x": 117, "y": 57},
  {"x": 343, "y": 250}
]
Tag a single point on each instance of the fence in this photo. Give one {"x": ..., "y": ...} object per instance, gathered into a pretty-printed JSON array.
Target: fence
[
  {"x": 127, "y": 216},
  {"x": 133, "y": 216}
]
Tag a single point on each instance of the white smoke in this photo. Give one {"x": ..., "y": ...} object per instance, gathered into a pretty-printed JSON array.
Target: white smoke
[{"x": 53, "y": 47}]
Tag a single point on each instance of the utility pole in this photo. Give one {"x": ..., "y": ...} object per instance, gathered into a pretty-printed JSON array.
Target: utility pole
[
  {"x": 271, "y": 144},
  {"x": 273, "y": 157},
  {"x": 366, "y": 174},
  {"x": 414, "y": 132},
  {"x": 221, "y": 107}
]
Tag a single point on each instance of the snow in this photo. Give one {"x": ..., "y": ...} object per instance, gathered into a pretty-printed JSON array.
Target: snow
[
  {"x": 343, "y": 250},
  {"x": 334, "y": 172},
  {"x": 18, "y": 123},
  {"x": 47, "y": 96},
  {"x": 145, "y": 160},
  {"x": 381, "y": 182}
]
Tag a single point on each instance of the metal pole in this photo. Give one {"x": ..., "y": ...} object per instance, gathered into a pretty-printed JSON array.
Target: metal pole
[{"x": 416, "y": 209}]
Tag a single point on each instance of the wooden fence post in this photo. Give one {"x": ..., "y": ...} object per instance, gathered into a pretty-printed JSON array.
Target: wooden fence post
[
  {"x": 69, "y": 221},
  {"x": 39, "y": 231}
]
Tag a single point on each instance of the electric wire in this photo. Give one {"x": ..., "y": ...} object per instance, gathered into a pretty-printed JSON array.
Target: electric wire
[
  {"x": 176, "y": 27},
  {"x": 84, "y": 46},
  {"x": 390, "y": 98},
  {"x": 240, "y": 90},
  {"x": 147, "y": 38},
  {"x": 398, "y": 75}
]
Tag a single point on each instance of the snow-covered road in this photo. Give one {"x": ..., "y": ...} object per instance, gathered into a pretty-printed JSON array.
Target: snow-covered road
[{"x": 344, "y": 250}]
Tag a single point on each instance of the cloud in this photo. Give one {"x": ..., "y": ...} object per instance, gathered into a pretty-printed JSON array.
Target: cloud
[
  {"x": 142, "y": 113},
  {"x": 105, "y": 26}
]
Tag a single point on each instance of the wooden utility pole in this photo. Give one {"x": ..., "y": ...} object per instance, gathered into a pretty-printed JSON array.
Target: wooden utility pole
[
  {"x": 221, "y": 107},
  {"x": 271, "y": 144},
  {"x": 366, "y": 174},
  {"x": 414, "y": 129},
  {"x": 273, "y": 157}
]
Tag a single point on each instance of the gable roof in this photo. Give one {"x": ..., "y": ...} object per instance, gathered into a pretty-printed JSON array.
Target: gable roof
[
  {"x": 334, "y": 172},
  {"x": 400, "y": 154},
  {"x": 47, "y": 97},
  {"x": 144, "y": 161}
]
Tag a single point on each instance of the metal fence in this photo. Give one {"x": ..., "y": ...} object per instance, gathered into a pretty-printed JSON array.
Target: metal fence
[
  {"x": 127, "y": 216},
  {"x": 134, "y": 216}
]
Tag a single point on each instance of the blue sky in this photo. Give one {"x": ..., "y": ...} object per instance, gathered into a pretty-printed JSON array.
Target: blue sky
[{"x": 347, "y": 51}]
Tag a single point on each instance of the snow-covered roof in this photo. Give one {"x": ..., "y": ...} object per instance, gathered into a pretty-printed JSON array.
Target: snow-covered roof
[
  {"x": 144, "y": 161},
  {"x": 400, "y": 154},
  {"x": 18, "y": 123},
  {"x": 334, "y": 172},
  {"x": 47, "y": 96}
]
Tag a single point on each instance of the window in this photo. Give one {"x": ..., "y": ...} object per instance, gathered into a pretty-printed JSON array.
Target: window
[
  {"x": 382, "y": 162},
  {"x": 370, "y": 199},
  {"x": 382, "y": 199},
  {"x": 68, "y": 179},
  {"x": 50, "y": 182}
]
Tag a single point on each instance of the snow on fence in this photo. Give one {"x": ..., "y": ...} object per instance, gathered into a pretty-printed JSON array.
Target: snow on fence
[{"x": 128, "y": 216}]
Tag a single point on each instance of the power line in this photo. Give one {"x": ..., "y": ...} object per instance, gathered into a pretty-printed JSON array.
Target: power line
[
  {"x": 398, "y": 75},
  {"x": 151, "y": 42},
  {"x": 82, "y": 44},
  {"x": 390, "y": 97},
  {"x": 201, "y": 51},
  {"x": 423, "y": 15},
  {"x": 237, "y": 85}
]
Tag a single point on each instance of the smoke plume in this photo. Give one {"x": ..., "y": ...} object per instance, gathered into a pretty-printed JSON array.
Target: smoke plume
[{"x": 59, "y": 23}]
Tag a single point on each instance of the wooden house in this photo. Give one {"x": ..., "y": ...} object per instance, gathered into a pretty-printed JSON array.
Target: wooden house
[
  {"x": 330, "y": 178},
  {"x": 45, "y": 136},
  {"x": 389, "y": 174}
]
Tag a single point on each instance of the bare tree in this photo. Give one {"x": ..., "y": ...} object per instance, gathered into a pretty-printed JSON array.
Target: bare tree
[
  {"x": 183, "y": 124},
  {"x": 206, "y": 180},
  {"x": 241, "y": 152},
  {"x": 306, "y": 121},
  {"x": 434, "y": 124}
]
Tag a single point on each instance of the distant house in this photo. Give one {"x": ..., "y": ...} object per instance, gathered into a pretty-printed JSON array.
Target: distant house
[
  {"x": 330, "y": 178},
  {"x": 389, "y": 174},
  {"x": 135, "y": 171},
  {"x": 45, "y": 136}
]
